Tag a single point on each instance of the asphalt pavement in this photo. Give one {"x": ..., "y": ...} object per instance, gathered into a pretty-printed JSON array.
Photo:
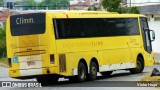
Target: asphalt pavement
[{"x": 120, "y": 77}]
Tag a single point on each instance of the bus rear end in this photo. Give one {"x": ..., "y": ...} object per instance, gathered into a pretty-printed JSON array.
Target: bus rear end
[{"x": 28, "y": 43}]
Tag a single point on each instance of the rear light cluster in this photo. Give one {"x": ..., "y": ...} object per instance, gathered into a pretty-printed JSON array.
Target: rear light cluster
[
  {"x": 52, "y": 59},
  {"x": 9, "y": 62}
]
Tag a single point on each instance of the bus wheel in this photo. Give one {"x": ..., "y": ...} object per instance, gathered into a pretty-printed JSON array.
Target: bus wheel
[
  {"x": 139, "y": 67},
  {"x": 47, "y": 79},
  {"x": 93, "y": 71},
  {"x": 81, "y": 72},
  {"x": 107, "y": 73}
]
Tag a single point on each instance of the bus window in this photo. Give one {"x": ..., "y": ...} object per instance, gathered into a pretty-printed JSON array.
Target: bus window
[
  {"x": 99, "y": 27},
  {"x": 27, "y": 24},
  {"x": 132, "y": 26}
]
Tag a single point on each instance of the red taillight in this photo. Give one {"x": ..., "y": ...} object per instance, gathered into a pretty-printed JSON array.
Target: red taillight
[
  {"x": 9, "y": 62},
  {"x": 52, "y": 59}
]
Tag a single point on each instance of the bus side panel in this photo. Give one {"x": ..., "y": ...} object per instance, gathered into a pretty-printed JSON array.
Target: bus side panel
[
  {"x": 72, "y": 60},
  {"x": 117, "y": 52}
]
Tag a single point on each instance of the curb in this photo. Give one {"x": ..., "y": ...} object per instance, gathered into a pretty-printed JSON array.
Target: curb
[
  {"x": 4, "y": 65},
  {"x": 157, "y": 62}
]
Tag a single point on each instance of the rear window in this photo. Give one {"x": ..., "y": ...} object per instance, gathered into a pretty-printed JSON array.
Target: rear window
[{"x": 27, "y": 24}]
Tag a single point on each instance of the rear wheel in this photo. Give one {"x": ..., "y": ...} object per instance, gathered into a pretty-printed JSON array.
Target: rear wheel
[
  {"x": 139, "y": 67},
  {"x": 93, "y": 71},
  {"x": 107, "y": 73},
  {"x": 81, "y": 73},
  {"x": 47, "y": 79}
]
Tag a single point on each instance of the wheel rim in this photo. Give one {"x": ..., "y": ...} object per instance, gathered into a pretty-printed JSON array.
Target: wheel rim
[
  {"x": 93, "y": 71},
  {"x": 138, "y": 65},
  {"x": 82, "y": 73}
]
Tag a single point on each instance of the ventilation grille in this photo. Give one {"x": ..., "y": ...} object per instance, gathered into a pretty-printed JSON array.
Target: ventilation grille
[{"x": 62, "y": 63}]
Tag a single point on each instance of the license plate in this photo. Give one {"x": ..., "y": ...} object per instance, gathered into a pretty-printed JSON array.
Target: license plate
[{"x": 29, "y": 63}]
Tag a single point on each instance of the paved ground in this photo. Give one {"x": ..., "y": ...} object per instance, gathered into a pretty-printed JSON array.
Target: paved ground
[
  {"x": 157, "y": 56},
  {"x": 98, "y": 84},
  {"x": 120, "y": 75}
]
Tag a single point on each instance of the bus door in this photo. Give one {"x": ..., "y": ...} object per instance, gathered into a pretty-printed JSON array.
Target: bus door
[{"x": 146, "y": 39}]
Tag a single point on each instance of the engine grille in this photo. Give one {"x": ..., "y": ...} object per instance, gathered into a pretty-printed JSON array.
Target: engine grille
[{"x": 62, "y": 63}]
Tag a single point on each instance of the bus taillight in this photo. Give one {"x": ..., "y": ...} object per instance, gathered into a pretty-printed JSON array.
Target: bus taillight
[
  {"x": 9, "y": 62},
  {"x": 52, "y": 59}
]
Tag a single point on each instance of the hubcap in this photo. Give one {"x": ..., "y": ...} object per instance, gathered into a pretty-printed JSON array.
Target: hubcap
[
  {"x": 138, "y": 65},
  {"x": 93, "y": 71},
  {"x": 82, "y": 72}
]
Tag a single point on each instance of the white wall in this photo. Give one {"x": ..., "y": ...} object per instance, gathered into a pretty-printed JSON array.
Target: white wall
[
  {"x": 1, "y": 24},
  {"x": 155, "y": 25},
  {"x": 92, "y": 2},
  {"x": 142, "y": 2},
  {"x": 38, "y": 0}
]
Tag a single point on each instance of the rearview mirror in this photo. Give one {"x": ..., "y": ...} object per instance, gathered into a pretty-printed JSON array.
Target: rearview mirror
[{"x": 152, "y": 33}]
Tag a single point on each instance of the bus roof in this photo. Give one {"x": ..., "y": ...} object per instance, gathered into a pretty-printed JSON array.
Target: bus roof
[
  {"x": 97, "y": 13},
  {"x": 83, "y": 12}
]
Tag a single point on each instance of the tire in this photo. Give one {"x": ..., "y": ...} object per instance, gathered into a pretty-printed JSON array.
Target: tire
[
  {"x": 81, "y": 72},
  {"x": 107, "y": 73},
  {"x": 47, "y": 79},
  {"x": 139, "y": 67},
  {"x": 93, "y": 71}
]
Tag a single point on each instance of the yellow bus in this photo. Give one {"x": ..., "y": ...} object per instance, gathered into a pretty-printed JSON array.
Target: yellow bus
[{"x": 77, "y": 44}]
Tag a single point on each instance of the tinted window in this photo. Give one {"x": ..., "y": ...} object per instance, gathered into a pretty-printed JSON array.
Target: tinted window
[
  {"x": 132, "y": 26},
  {"x": 27, "y": 24},
  {"x": 75, "y": 28}
]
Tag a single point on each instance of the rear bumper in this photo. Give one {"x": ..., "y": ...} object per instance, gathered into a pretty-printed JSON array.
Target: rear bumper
[{"x": 33, "y": 72}]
